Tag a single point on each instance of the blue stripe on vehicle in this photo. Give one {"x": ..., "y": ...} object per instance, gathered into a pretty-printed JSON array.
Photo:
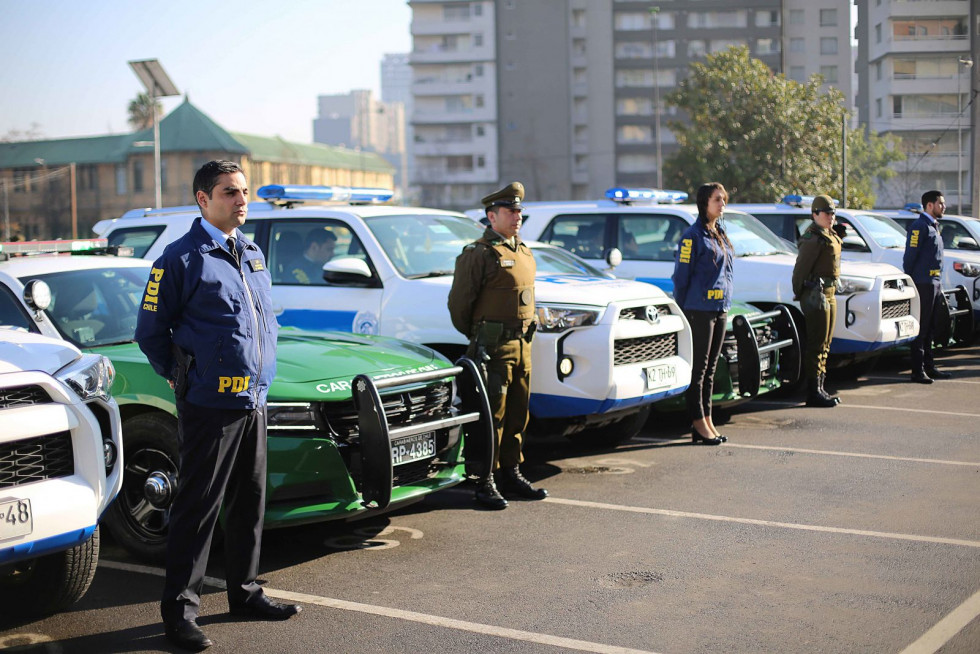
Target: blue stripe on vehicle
[
  {"x": 849, "y": 346},
  {"x": 666, "y": 284},
  {"x": 557, "y": 406},
  {"x": 342, "y": 321},
  {"x": 35, "y": 548}
]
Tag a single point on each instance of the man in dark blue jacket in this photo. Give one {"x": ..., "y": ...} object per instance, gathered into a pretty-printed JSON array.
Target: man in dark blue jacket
[
  {"x": 923, "y": 262},
  {"x": 206, "y": 324}
]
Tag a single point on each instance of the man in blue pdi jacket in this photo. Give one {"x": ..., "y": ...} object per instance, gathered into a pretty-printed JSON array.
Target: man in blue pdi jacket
[
  {"x": 923, "y": 262},
  {"x": 206, "y": 324}
]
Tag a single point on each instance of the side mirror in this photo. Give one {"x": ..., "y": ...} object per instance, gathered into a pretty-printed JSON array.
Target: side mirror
[
  {"x": 614, "y": 257},
  {"x": 348, "y": 271},
  {"x": 967, "y": 244},
  {"x": 37, "y": 295}
]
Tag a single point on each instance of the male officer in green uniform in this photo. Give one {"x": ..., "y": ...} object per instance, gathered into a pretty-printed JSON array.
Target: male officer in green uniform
[
  {"x": 492, "y": 303},
  {"x": 814, "y": 285}
]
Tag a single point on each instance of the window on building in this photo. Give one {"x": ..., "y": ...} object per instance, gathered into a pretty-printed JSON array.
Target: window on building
[
  {"x": 453, "y": 12},
  {"x": 878, "y": 108},
  {"x": 481, "y": 162},
  {"x": 478, "y": 70},
  {"x": 828, "y": 45},
  {"x": 797, "y": 73},
  {"x": 828, "y": 18},
  {"x": 478, "y": 100},
  {"x": 923, "y": 106},
  {"x": 930, "y": 28},
  {"x": 163, "y": 173},
  {"x": 878, "y": 70},
  {"x": 634, "y": 50},
  {"x": 797, "y": 44},
  {"x": 636, "y": 163},
  {"x": 797, "y": 16},
  {"x": 137, "y": 175},
  {"x": 767, "y": 18},
  {"x": 767, "y": 46},
  {"x": 718, "y": 19},
  {"x": 629, "y": 21},
  {"x": 631, "y": 78},
  {"x": 478, "y": 40},
  {"x": 878, "y": 33},
  {"x": 717, "y": 45},
  {"x": 634, "y": 107},
  {"x": 578, "y": 18},
  {"x": 697, "y": 48},
  {"x": 480, "y": 130},
  {"x": 829, "y": 74},
  {"x": 579, "y": 48},
  {"x": 632, "y": 134},
  {"x": 121, "y": 179}
]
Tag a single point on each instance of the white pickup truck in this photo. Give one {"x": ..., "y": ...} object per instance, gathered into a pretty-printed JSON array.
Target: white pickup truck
[{"x": 60, "y": 468}]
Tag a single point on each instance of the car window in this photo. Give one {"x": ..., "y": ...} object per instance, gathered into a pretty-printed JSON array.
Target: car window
[
  {"x": 956, "y": 236},
  {"x": 750, "y": 237},
  {"x": 852, "y": 241},
  {"x": 649, "y": 237},
  {"x": 581, "y": 234},
  {"x": 298, "y": 249},
  {"x": 423, "y": 245},
  {"x": 141, "y": 239},
  {"x": 95, "y": 307},
  {"x": 12, "y": 312},
  {"x": 555, "y": 261},
  {"x": 883, "y": 230}
]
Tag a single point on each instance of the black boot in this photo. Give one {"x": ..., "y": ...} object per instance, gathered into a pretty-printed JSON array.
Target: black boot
[
  {"x": 815, "y": 398},
  {"x": 512, "y": 482},
  {"x": 821, "y": 380},
  {"x": 488, "y": 496}
]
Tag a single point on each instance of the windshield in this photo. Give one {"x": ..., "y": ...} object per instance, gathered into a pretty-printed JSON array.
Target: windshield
[
  {"x": 555, "y": 261},
  {"x": 883, "y": 230},
  {"x": 95, "y": 307},
  {"x": 750, "y": 237},
  {"x": 423, "y": 245}
]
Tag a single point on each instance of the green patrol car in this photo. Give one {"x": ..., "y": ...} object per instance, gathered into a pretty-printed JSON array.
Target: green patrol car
[{"x": 357, "y": 424}]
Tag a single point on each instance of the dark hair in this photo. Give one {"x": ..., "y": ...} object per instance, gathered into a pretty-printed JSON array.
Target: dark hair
[
  {"x": 930, "y": 196},
  {"x": 705, "y": 191},
  {"x": 321, "y": 236},
  {"x": 207, "y": 177}
]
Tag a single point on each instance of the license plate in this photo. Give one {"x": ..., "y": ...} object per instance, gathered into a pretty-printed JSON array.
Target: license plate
[
  {"x": 16, "y": 519},
  {"x": 905, "y": 328},
  {"x": 660, "y": 376},
  {"x": 764, "y": 362},
  {"x": 413, "y": 448}
]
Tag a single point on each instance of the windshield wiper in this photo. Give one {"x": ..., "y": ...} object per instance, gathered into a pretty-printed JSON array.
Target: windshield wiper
[{"x": 434, "y": 273}]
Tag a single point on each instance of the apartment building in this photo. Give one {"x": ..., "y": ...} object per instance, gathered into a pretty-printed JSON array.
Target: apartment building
[
  {"x": 569, "y": 95},
  {"x": 916, "y": 81}
]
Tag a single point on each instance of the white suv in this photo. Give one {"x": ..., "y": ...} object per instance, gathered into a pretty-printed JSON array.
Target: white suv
[
  {"x": 60, "y": 467},
  {"x": 877, "y": 303},
  {"x": 605, "y": 349}
]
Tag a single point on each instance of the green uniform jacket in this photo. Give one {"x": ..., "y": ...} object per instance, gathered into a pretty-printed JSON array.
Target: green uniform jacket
[
  {"x": 819, "y": 256},
  {"x": 494, "y": 282}
]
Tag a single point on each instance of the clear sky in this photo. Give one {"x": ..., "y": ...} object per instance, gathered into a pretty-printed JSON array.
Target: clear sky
[{"x": 252, "y": 66}]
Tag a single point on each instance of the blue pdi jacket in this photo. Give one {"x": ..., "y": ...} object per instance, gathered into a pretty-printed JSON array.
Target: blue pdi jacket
[
  {"x": 923, "y": 260},
  {"x": 703, "y": 273},
  {"x": 198, "y": 300}
]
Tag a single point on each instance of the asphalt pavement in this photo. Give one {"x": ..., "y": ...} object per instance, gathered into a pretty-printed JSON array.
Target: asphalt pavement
[{"x": 852, "y": 529}]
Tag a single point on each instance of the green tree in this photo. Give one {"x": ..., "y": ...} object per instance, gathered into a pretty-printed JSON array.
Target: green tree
[
  {"x": 764, "y": 136},
  {"x": 141, "y": 110}
]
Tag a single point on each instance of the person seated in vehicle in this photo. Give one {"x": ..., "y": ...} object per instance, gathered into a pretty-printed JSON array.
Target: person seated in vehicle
[{"x": 320, "y": 247}]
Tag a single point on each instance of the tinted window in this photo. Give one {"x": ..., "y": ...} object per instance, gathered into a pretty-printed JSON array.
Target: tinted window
[
  {"x": 956, "y": 236},
  {"x": 12, "y": 312},
  {"x": 138, "y": 238},
  {"x": 298, "y": 249},
  {"x": 645, "y": 237},
  {"x": 423, "y": 245},
  {"x": 883, "y": 230},
  {"x": 584, "y": 235},
  {"x": 561, "y": 262}
]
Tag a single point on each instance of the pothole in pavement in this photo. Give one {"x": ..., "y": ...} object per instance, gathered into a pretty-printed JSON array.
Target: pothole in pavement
[
  {"x": 631, "y": 579},
  {"x": 597, "y": 470}
]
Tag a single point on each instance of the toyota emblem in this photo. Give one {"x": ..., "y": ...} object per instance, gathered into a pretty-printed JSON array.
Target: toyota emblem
[{"x": 652, "y": 315}]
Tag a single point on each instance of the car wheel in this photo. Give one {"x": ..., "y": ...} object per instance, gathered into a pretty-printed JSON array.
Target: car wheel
[
  {"x": 140, "y": 517},
  {"x": 49, "y": 583},
  {"x": 616, "y": 433}
]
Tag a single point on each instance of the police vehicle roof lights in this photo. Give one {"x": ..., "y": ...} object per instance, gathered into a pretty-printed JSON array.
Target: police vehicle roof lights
[
  {"x": 655, "y": 195},
  {"x": 797, "y": 200},
  {"x": 300, "y": 193},
  {"x": 914, "y": 207},
  {"x": 66, "y": 246}
]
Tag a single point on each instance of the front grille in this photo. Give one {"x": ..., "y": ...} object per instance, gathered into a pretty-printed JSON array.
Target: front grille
[
  {"x": 410, "y": 473},
  {"x": 36, "y": 459},
  {"x": 764, "y": 335},
  {"x": 404, "y": 408},
  {"x": 896, "y": 308},
  {"x": 640, "y": 313},
  {"x": 16, "y": 396},
  {"x": 646, "y": 348}
]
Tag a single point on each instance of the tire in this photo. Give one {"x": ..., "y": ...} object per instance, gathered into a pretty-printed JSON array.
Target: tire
[
  {"x": 139, "y": 519},
  {"x": 50, "y": 583},
  {"x": 616, "y": 433}
]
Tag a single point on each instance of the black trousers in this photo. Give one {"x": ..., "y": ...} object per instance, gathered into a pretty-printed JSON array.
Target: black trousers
[
  {"x": 707, "y": 336},
  {"x": 222, "y": 460},
  {"x": 929, "y": 299}
]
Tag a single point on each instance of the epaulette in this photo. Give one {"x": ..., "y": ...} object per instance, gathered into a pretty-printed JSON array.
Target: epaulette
[
  {"x": 807, "y": 234},
  {"x": 470, "y": 246}
]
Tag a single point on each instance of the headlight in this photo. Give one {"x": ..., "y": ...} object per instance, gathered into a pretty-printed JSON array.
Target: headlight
[
  {"x": 966, "y": 269},
  {"x": 291, "y": 416},
  {"x": 848, "y": 285},
  {"x": 91, "y": 376},
  {"x": 553, "y": 319}
]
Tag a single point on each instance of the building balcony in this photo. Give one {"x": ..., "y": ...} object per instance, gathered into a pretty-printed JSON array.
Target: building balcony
[
  {"x": 446, "y": 148},
  {"x": 923, "y": 122},
  {"x": 423, "y": 116},
  {"x": 438, "y": 54},
  {"x": 430, "y": 174},
  {"x": 472, "y": 25},
  {"x": 468, "y": 85}
]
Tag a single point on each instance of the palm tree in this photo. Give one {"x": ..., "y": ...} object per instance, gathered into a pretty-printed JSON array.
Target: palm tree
[{"x": 141, "y": 111}]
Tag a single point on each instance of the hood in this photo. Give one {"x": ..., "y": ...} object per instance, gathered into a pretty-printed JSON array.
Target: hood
[
  {"x": 581, "y": 289},
  {"x": 306, "y": 356},
  {"x": 863, "y": 269},
  {"x": 21, "y": 350}
]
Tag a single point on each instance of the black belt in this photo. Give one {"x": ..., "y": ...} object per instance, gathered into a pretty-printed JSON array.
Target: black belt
[{"x": 509, "y": 334}]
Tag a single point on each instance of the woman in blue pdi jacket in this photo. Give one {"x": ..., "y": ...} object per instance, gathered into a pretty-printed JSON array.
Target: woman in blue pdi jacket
[{"x": 703, "y": 286}]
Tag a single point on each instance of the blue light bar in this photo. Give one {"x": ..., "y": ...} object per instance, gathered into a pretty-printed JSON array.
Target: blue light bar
[
  {"x": 802, "y": 200},
  {"x": 912, "y": 206},
  {"x": 300, "y": 192},
  {"x": 622, "y": 194}
]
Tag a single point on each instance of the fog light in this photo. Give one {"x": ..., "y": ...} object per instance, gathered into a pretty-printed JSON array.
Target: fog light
[
  {"x": 109, "y": 453},
  {"x": 851, "y": 318},
  {"x": 565, "y": 366}
]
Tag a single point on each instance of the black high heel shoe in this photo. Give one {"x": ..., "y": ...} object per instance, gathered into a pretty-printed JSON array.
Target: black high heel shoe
[{"x": 698, "y": 438}]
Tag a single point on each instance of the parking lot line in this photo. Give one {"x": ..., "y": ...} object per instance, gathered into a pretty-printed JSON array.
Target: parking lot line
[
  {"x": 411, "y": 616},
  {"x": 905, "y": 378},
  {"x": 858, "y": 455},
  {"x": 844, "y": 405},
  {"x": 763, "y": 523},
  {"x": 944, "y": 630}
]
